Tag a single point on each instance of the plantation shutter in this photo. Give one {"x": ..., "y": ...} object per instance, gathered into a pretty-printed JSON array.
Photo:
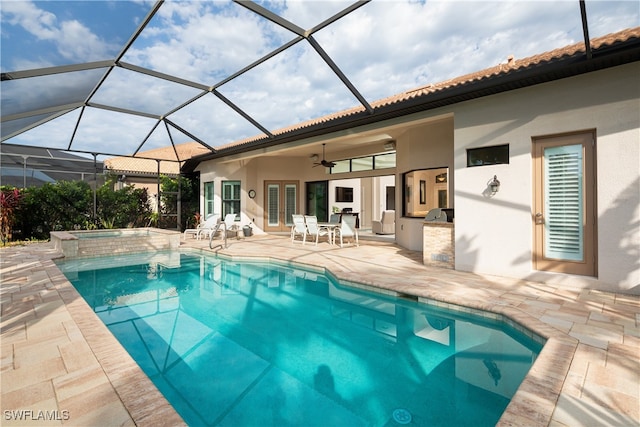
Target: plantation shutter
[
  {"x": 563, "y": 203},
  {"x": 273, "y": 204},
  {"x": 290, "y": 203}
]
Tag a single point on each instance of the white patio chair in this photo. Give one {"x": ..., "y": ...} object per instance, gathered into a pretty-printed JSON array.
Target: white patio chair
[
  {"x": 347, "y": 229},
  {"x": 208, "y": 227},
  {"x": 298, "y": 228},
  {"x": 315, "y": 230},
  {"x": 211, "y": 220},
  {"x": 231, "y": 228}
]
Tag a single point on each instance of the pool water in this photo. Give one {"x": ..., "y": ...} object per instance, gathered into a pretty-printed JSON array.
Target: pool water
[{"x": 239, "y": 343}]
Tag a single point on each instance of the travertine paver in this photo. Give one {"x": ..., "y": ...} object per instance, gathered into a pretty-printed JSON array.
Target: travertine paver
[{"x": 61, "y": 362}]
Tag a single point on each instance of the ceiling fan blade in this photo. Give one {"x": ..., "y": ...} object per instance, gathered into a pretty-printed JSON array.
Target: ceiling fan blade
[{"x": 323, "y": 162}]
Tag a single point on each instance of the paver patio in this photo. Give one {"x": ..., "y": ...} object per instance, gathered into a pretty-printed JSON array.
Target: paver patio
[{"x": 61, "y": 365}]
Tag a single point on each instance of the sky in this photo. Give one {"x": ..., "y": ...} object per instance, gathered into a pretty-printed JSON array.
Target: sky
[{"x": 384, "y": 47}]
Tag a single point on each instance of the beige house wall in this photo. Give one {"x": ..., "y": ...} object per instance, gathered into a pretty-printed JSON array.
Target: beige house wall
[{"x": 494, "y": 235}]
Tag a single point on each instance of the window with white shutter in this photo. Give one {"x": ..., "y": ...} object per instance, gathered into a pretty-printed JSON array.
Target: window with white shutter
[
  {"x": 563, "y": 202},
  {"x": 290, "y": 205},
  {"x": 273, "y": 204}
]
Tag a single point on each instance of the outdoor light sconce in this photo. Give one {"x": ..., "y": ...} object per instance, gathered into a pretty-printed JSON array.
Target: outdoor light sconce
[{"x": 494, "y": 185}]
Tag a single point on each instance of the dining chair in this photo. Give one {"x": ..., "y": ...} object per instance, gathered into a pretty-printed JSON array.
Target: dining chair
[
  {"x": 347, "y": 229},
  {"x": 298, "y": 228},
  {"x": 314, "y": 230}
]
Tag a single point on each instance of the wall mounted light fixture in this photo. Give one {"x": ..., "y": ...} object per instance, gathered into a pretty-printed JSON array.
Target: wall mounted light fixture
[
  {"x": 314, "y": 157},
  {"x": 390, "y": 145},
  {"x": 494, "y": 184}
]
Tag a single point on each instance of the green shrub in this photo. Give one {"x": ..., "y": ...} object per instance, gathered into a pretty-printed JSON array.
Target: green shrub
[
  {"x": 124, "y": 208},
  {"x": 68, "y": 205},
  {"x": 63, "y": 205}
]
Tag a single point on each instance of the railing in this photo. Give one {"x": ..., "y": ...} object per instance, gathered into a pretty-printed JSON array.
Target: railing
[{"x": 213, "y": 233}]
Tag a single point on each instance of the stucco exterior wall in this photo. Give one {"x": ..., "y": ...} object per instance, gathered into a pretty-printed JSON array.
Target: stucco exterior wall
[
  {"x": 253, "y": 173},
  {"x": 494, "y": 235}
]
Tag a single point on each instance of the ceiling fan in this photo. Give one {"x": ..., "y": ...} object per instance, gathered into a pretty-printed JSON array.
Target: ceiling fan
[{"x": 323, "y": 162}]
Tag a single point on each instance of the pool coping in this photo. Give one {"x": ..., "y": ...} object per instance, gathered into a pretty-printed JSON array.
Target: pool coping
[{"x": 534, "y": 403}]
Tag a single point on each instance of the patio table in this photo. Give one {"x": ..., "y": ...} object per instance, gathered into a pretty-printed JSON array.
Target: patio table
[{"x": 330, "y": 226}]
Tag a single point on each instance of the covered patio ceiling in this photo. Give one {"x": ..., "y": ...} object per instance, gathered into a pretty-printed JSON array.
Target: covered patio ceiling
[{"x": 119, "y": 78}]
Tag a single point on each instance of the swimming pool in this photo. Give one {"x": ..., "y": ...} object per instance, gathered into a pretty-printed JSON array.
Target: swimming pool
[{"x": 237, "y": 343}]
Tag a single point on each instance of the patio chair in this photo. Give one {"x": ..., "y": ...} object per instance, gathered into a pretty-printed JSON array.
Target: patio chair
[
  {"x": 387, "y": 223},
  {"x": 211, "y": 225},
  {"x": 211, "y": 220},
  {"x": 347, "y": 229},
  {"x": 298, "y": 228},
  {"x": 230, "y": 225},
  {"x": 313, "y": 229}
]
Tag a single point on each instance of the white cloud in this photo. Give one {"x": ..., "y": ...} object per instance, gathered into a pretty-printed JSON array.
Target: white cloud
[
  {"x": 389, "y": 49},
  {"x": 72, "y": 39},
  {"x": 139, "y": 92},
  {"x": 36, "y": 21},
  {"x": 205, "y": 43}
]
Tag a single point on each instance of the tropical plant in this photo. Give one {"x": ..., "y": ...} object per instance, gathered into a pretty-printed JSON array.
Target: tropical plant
[
  {"x": 34, "y": 212},
  {"x": 9, "y": 200},
  {"x": 127, "y": 207},
  {"x": 63, "y": 205}
]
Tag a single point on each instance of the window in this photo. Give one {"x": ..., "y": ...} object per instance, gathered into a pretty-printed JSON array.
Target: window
[
  {"x": 230, "y": 198},
  {"x": 496, "y": 155},
  {"x": 385, "y": 161},
  {"x": 366, "y": 163},
  {"x": 208, "y": 199},
  {"x": 341, "y": 166},
  {"x": 362, "y": 164},
  {"x": 424, "y": 190}
]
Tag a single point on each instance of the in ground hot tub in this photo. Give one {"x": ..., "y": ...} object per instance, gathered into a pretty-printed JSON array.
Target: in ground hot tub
[{"x": 92, "y": 243}]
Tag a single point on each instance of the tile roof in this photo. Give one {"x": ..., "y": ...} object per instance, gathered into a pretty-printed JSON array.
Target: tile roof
[
  {"x": 145, "y": 165},
  {"x": 512, "y": 66}
]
